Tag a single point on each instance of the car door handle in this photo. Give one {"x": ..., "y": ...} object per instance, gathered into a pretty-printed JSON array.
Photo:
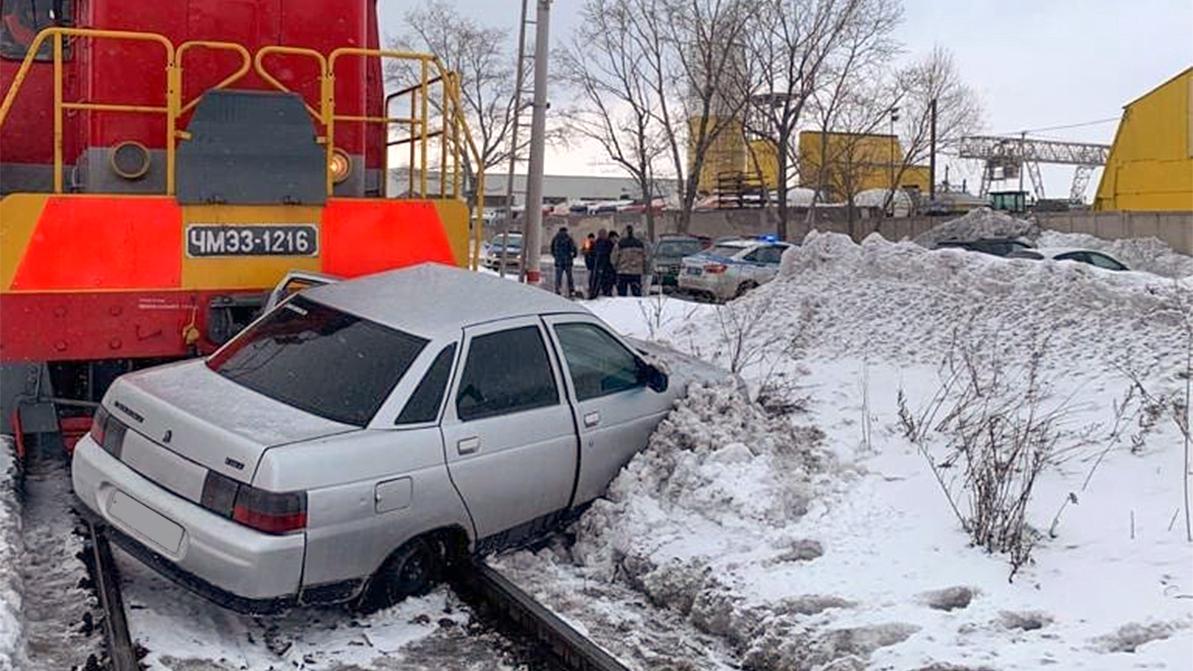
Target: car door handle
[
  {"x": 468, "y": 445},
  {"x": 592, "y": 419}
]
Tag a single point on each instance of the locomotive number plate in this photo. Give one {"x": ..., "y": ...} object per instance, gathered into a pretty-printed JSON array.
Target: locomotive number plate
[{"x": 256, "y": 240}]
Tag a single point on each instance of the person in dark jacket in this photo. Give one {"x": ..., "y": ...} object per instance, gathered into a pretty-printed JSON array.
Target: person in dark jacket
[
  {"x": 629, "y": 261},
  {"x": 563, "y": 249},
  {"x": 606, "y": 268},
  {"x": 602, "y": 250}
]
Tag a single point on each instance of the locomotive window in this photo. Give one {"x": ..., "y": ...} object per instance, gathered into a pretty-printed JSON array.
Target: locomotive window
[{"x": 21, "y": 20}]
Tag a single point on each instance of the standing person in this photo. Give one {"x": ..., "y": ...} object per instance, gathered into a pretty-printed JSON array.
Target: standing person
[
  {"x": 586, "y": 248},
  {"x": 601, "y": 250},
  {"x": 563, "y": 249},
  {"x": 587, "y": 251},
  {"x": 630, "y": 263},
  {"x": 607, "y": 266}
]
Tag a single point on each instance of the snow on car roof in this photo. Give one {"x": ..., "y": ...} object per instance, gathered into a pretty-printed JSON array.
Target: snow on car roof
[{"x": 433, "y": 300}]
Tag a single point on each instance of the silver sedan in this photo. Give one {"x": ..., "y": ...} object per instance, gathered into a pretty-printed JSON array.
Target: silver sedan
[{"x": 355, "y": 439}]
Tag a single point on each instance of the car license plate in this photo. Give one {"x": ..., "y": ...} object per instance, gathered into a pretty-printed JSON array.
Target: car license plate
[
  {"x": 146, "y": 522},
  {"x": 252, "y": 240},
  {"x": 693, "y": 270}
]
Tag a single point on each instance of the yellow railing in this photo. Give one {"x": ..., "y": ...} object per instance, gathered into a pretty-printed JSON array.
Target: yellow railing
[{"x": 455, "y": 139}]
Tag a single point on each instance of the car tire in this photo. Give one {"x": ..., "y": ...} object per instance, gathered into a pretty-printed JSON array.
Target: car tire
[
  {"x": 745, "y": 287},
  {"x": 412, "y": 570}
]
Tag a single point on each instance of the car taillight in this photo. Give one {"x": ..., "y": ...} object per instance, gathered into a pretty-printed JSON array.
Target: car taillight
[
  {"x": 99, "y": 426},
  {"x": 271, "y": 512},
  {"x": 715, "y": 268},
  {"x": 108, "y": 432}
]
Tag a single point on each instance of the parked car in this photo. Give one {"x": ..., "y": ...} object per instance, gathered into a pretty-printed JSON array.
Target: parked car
[
  {"x": 1089, "y": 256},
  {"x": 609, "y": 206},
  {"x": 350, "y": 442},
  {"x": 513, "y": 250},
  {"x": 667, "y": 256},
  {"x": 993, "y": 246},
  {"x": 731, "y": 268}
]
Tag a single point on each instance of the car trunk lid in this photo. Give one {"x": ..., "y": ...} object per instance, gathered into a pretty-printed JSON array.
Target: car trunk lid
[{"x": 208, "y": 421}]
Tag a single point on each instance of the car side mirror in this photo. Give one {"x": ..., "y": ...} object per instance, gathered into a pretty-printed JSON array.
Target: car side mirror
[{"x": 655, "y": 379}]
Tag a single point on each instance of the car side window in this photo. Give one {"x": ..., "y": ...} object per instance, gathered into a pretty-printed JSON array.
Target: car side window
[
  {"x": 423, "y": 404},
  {"x": 598, "y": 363},
  {"x": 1103, "y": 261},
  {"x": 506, "y": 372},
  {"x": 767, "y": 255},
  {"x": 1072, "y": 256}
]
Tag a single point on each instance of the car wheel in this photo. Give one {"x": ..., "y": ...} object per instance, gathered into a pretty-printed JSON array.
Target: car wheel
[
  {"x": 745, "y": 286},
  {"x": 412, "y": 570}
]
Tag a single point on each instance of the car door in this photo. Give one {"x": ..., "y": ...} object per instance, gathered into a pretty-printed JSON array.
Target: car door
[
  {"x": 615, "y": 411},
  {"x": 509, "y": 436}
]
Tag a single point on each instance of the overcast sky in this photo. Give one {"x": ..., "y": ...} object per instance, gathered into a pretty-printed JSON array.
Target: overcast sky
[{"x": 1036, "y": 64}]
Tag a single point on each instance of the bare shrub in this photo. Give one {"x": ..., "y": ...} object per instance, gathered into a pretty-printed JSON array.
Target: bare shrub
[
  {"x": 1174, "y": 405},
  {"x": 744, "y": 339},
  {"x": 987, "y": 433}
]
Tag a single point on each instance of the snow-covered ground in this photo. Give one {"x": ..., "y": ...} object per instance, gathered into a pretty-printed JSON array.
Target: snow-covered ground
[
  {"x": 10, "y": 551},
  {"x": 808, "y": 531},
  {"x": 183, "y": 632}
]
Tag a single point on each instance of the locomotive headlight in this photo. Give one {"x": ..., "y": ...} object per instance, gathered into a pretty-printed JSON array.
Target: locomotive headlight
[
  {"x": 129, "y": 159},
  {"x": 340, "y": 165}
]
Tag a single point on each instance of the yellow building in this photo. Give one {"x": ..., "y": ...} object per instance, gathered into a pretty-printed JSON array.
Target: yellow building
[
  {"x": 726, "y": 154},
  {"x": 855, "y": 162},
  {"x": 1151, "y": 162},
  {"x": 762, "y": 161}
]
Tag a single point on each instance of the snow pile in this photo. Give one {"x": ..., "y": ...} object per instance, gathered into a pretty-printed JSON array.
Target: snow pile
[
  {"x": 979, "y": 223},
  {"x": 1150, "y": 255},
  {"x": 734, "y": 523},
  {"x": 903, "y": 301},
  {"x": 10, "y": 553}
]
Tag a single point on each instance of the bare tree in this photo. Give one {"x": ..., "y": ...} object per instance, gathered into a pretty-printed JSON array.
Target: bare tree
[
  {"x": 850, "y": 96},
  {"x": 958, "y": 110},
  {"x": 847, "y": 154},
  {"x": 484, "y": 59},
  {"x": 617, "y": 105},
  {"x": 789, "y": 44},
  {"x": 691, "y": 58}
]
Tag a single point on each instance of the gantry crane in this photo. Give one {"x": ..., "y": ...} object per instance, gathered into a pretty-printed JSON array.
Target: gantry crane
[{"x": 1006, "y": 157}]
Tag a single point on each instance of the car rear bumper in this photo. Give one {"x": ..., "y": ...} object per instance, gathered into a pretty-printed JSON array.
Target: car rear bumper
[
  {"x": 717, "y": 285},
  {"x": 229, "y": 563}
]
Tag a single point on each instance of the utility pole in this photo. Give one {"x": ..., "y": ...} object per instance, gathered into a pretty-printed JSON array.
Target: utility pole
[
  {"x": 538, "y": 131},
  {"x": 891, "y": 166},
  {"x": 932, "y": 155},
  {"x": 513, "y": 157}
]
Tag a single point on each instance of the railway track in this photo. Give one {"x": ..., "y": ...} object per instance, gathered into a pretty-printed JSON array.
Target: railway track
[
  {"x": 551, "y": 642},
  {"x": 561, "y": 645},
  {"x": 122, "y": 656}
]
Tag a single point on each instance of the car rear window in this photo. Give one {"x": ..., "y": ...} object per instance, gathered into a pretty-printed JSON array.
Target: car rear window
[
  {"x": 726, "y": 250},
  {"x": 319, "y": 359}
]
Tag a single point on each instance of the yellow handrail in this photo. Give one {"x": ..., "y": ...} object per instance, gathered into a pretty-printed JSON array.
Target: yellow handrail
[
  {"x": 453, "y": 117},
  {"x": 454, "y": 127},
  {"x": 325, "y": 94},
  {"x": 171, "y": 108},
  {"x": 245, "y": 65}
]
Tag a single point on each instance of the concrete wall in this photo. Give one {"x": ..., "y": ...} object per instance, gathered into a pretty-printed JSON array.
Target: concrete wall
[{"x": 1174, "y": 228}]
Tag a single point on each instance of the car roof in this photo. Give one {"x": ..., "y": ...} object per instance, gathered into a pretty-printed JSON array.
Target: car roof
[
  {"x": 434, "y": 300},
  {"x": 737, "y": 242},
  {"x": 1053, "y": 252}
]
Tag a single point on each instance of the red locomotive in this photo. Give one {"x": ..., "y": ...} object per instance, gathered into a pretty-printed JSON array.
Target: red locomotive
[{"x": 164, "y": 164}]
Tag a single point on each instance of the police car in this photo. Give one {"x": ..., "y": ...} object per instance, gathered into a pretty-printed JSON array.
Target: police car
[{"x": 730, "y": 268}]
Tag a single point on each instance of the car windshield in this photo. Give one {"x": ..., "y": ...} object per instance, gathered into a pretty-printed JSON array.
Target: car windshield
[
  {"x": 514, "y": 239},
  {"x": 678, "y": 247},
  {"x": 318, "y": 359}
]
